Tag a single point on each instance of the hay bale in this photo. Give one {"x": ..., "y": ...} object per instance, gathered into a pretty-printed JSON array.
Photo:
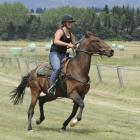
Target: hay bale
[
  {"x": 31, "y": 47},
  {"x": 16, "y": 51},
  {"x": 120, "y": 47},
  {"x": 114, "y": 45}
]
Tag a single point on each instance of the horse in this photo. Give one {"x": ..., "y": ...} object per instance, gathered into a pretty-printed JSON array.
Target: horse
[{"x": 76, "y": 81}]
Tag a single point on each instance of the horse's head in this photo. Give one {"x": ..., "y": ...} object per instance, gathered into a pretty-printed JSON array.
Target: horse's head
[{"x": 96, "y": 45}]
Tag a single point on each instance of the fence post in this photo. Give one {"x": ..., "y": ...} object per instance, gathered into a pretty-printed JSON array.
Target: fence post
[
  {"x": 120, "y": 76},
  {"x": 99, "y": 73},
  {"x": 3, "y": 62},
  {"x": 27, "y": 64},
  {"x": 18, "y": 62},
  {"x": 10, "y": 61}
]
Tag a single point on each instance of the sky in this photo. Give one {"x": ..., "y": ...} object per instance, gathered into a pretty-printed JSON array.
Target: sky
[{"x": 77, "y": 3}]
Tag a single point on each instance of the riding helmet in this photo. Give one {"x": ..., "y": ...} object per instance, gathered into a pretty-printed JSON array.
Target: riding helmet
[{"x": 67, "y": 18}]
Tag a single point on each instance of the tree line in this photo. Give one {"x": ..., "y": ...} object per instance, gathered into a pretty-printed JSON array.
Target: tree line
[{"x": 121, "y": 23}]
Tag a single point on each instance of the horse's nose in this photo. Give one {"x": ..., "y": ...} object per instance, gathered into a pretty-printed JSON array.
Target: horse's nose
[{"x": 112, "y": 52}]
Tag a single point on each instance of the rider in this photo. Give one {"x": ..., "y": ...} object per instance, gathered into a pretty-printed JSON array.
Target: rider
[{"x": 63, "y": 40}]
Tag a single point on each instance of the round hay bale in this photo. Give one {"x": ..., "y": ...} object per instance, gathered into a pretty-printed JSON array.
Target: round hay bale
[
  {"x": 31, "y": 47},
  {"x": 114, "y": 45},
  {"x": 16, "y": 51},
  {"x": 120, "y": 47}
]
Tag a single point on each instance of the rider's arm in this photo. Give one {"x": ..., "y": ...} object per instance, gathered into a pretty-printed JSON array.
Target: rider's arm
[
  {"x": 59, "y": 33},
  {"x": 57, "y": 40}
]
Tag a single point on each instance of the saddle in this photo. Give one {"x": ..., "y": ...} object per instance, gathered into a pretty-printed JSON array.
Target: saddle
[{"x": 45, "y": 70}]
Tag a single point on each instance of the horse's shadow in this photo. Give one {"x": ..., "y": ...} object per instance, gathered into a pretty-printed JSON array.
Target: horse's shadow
[
  {"x": 69, "y": 130},
  {"x": 75, "y": 130}
]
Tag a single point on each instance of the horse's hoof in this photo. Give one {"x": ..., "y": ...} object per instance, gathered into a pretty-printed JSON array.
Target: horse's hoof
[
  {"x": 30, "y": 131},
  {"x": 62, "y": 130},
  {"x": 38, "y": 122},
  {"x": 73, "y": 122}
]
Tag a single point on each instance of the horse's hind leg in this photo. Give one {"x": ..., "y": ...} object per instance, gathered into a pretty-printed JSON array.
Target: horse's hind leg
[
  {"x": 34, "y": 97},
  {"x": 74, "y": 111},
  {"x": 42, "y": 100}
]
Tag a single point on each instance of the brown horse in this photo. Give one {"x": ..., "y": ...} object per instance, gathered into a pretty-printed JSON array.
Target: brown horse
[{"x": 75, "y": 82}]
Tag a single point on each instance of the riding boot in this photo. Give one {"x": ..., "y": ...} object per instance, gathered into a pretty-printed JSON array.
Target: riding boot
[{"x": 52, "y": 90}]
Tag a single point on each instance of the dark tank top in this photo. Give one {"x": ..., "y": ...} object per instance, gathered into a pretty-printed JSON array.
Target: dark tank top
[{"x": 58, "y": 48}]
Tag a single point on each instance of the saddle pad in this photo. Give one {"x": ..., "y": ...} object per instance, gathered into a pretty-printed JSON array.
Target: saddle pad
[{"x": 44, "y": 70}]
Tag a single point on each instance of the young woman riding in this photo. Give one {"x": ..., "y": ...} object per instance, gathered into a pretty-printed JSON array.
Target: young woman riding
[{"x": 63, "y": 40}]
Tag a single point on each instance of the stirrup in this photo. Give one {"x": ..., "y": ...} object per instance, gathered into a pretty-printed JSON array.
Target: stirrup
[{"x": 52, "y": 90}]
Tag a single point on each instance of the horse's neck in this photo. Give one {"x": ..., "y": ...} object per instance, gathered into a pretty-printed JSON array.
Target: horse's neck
[{"x": 83, "y": 61}]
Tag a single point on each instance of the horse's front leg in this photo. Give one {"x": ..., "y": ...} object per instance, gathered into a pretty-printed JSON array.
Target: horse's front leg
[
  {"x": 77, "y": 98},
  {"x": 74, "y": 111},
  {"x": 78, "y": 102}
]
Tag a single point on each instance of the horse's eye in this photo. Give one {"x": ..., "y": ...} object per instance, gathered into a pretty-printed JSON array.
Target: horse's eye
[{"x": 97, "y": 41}]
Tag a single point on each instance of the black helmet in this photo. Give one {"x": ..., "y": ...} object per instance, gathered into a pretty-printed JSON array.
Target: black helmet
[{"x": 67, "y": 18}]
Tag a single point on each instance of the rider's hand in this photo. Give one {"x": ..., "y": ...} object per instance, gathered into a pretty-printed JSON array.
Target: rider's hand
[{"x": 70, "y": 45}]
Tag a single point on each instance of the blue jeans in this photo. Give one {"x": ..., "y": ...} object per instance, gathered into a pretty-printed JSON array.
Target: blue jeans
[{"x": 55, "y": 61}]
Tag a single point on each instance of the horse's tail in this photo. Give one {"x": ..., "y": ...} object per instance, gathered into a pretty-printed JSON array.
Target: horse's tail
[{"x": 19, "y": 91}]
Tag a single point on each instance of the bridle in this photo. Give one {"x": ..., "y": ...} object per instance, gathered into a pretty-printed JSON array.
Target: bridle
[
  {"x": 86, "y": 83},
  {"x": 80, "y": 50},
  {"x": 87, "y": 52}
]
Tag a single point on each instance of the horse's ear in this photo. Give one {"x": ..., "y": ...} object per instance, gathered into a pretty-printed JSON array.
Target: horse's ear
[{"x": 88, "y": 34}]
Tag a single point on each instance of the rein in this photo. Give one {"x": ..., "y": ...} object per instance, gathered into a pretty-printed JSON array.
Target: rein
[
  {"x": 70, "y": 76},
  {"x": 78, "y": 50},
  {"x": 89, "y": 53}
]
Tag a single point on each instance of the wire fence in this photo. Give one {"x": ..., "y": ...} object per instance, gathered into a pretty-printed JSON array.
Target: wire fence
[
  {"x": 123, "y": 76},
  {"x": 118, "y": 74}
]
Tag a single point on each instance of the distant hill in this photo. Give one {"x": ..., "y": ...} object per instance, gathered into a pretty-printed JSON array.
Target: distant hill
[{"x": 77, "y": 3}]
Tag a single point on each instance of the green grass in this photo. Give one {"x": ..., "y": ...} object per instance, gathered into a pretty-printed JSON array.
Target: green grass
[
  {"x": 22, "y": 43},
  {"x": 131, "y": 61},
  {"x": 110, "y": 114},
  {"x": 129, "y": 57}
]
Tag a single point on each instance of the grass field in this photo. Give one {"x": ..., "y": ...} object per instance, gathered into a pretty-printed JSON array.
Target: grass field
[
  {"x": 108, "y": 115},
  {"x": 111, "y": 113},
  {"x": 129, "y": 57}
]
